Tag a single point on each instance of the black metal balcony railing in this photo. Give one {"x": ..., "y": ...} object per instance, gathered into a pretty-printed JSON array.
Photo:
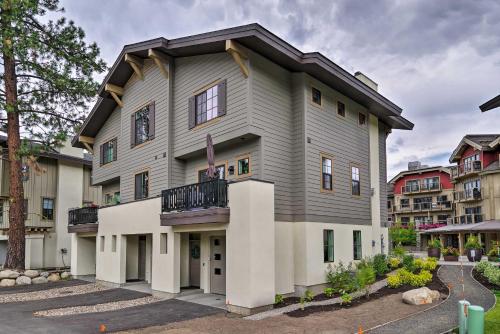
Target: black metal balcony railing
[
  {"x": 467, "y": 168},
  {"x": 424, "y": 206},
  {"x": 198, "y": 195},
  {"x": 87, "y": 215}
]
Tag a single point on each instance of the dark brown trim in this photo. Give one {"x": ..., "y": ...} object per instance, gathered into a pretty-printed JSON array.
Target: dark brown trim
[
  {"x": 83, "y": 228},
  {"x": 204, "y": 216},
  {"x": 491, "y": 104}
]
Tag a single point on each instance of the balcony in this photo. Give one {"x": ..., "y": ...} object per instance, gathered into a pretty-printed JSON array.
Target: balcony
[
  {"x": 197, "y": 203},
  {"x": 83, "y": 219},
  {"x": 468, "y": 195},
  {"x": 467, "y": 169},
  {"x": 468, "y": 219},
  {"x": 429, "y": 226},
  {"x": 421, "y": 188},
  {"x": 426, "y": 206}
]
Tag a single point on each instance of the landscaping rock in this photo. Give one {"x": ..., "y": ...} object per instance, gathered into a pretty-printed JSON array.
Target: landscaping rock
[
  {"x": 65, "y": 275},
  {"x": 7, "y": 282},
  {"x": 45, "y": 274},
  {"x": 54, "y": 277},
  {"x": 39, "y": 280},
  {"x": 31, "y": 273},
  {"x": 8, "y": 274},
  {"x": 23, "y": 280},
  {"x": 420, "y": 296}
]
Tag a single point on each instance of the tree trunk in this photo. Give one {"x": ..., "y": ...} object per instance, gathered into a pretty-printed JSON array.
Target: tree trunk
[{"x": 16, "y": 244}]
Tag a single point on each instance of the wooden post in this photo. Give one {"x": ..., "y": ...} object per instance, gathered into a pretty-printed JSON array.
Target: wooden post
[{"x": 460, "y": 243}]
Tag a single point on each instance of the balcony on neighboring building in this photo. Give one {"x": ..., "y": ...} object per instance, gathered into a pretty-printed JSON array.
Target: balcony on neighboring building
[
  {"x": 467, "y": 169},
  {"x": 421, "y": 188},
  {"x": 469, "y": 195},
  {"x": 425, "y": 206},
  {"x": 82, "y": 220},
  {"x": 197, "y": 203},
  {"x": 468, "y": 219}
]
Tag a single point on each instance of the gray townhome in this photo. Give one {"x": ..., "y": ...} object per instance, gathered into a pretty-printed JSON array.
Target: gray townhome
[{"x": 300, "y": 150}]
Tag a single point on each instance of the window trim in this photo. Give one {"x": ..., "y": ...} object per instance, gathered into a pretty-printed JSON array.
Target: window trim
[
  {"x": 115, "y": 151},
  {"x": 149, "y": 184},
  {"x": 200, "y": 91},
  {"x": 217, "y": 164},
  {"x": 354, "y": 245},
  {"x": 326, "y": 156},
  {"x": 150, "y": 104},
  {"x": 338, "y": 114},
  {"x": 355, "y": 165},
  {"x": 327, "y": 245},
  {"x": 320, "y": 104},
  {"x": 53, "y": 208},
  {"x": 241, "y": 157}
]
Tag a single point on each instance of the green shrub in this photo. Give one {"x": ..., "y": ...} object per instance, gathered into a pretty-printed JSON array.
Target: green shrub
[
  {"x": 346, "y": 298},
  {"x": 329, "y": 292},
  {"x": 450, "y": 251},
  {"x": 278, "y": 299},
  {"x": 472, "y": 243},
  {"x": 429, "y": 263},
  {"x": 308, "y": 295},
  {"x": 490, "y": 271},
  {"x": 394, "y": 262},
  {"x": 409, "y": 263},
  {"x": 380, "y": 264},
  {"x": 394, "y": 281},
  {"x": 421, "y": 279},
  {"x": 406, "y": 236},
  {"x": 435, "y": 243},
  {"x": 364, "y": 277},
  {"x": 341, "y": 278},
  {"x": 399, "y": 251},
  {"x": 493, "y": 252}
]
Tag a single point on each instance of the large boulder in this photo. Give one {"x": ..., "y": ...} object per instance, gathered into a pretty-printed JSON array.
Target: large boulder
[
  {"x": 420, "y": 296},
  {"x": 9, "y": 274},
  {"x": 45, "y": 274},
  {"x": 7, "y": 282},
  {"x": 39, "y": 280},
  {"x": 54, "y": 277},
  {"x": 31, "y": 273},
  {"x": 65, "y": 275},
  {"x": 23, "y": 280}
]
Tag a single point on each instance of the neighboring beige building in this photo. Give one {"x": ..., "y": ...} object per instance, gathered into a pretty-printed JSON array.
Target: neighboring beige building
[
  {"x": 301, "y": 160},
  {"x": 59, "y": 180}
]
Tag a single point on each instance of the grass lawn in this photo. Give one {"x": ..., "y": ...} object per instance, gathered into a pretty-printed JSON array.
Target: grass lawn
[{"x": 492, "y": 318}]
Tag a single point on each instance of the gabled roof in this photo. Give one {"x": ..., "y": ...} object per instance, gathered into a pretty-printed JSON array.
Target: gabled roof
[
  {"x": 260, "y": 40},
  {"x": 491, "y": 104},
  {"x": 482, "y": 142},
  {"x": 420, "y": 171}
]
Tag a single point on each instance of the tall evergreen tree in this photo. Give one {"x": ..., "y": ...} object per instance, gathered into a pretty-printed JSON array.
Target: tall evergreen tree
[{"x": 46, "y": 83}]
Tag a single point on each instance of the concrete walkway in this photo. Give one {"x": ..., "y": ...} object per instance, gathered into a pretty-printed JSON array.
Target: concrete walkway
[{"x": 442, "y": 317}]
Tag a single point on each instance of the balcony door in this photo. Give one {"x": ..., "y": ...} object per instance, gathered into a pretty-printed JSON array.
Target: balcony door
[{"x": 220, "y": 170}]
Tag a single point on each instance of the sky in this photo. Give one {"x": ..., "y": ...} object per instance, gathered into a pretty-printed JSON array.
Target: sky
[{"x": 438, "y": 60}]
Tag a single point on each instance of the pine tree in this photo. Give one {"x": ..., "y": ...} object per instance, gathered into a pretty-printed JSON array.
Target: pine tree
[{"x": 46, "y": 84}]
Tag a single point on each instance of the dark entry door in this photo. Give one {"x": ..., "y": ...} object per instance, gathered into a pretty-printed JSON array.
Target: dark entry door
[
  {"x": 194, "y": 263},
  {"x": 142, "y": 258}
]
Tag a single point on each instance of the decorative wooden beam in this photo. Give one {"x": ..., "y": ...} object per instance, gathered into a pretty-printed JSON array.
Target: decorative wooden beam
[
  {"x": 238, "y": 55},
  {"x": 136, "y": 63},
  {"x": 160, "y": 60},
  {"x": 116, "y": 92},
  {"x": 88, "y": 147},
  {"x": 87, "y": 141}
]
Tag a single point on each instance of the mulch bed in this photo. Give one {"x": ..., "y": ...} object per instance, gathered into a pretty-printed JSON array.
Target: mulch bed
[
  {"x": 483, "y": 280},
  {"x": 436, "y": 284}
]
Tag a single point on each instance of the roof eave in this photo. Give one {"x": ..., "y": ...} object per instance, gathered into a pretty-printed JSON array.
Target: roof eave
[{"x": 491, "y": 104}]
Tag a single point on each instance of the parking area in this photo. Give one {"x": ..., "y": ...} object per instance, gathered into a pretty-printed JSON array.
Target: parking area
[{"x": 18, "y": 317}]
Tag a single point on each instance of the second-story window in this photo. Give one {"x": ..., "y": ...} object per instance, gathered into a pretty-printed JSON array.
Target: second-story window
[
  {"x": 108, "y": 151},
  {"x": 244, "y": 166},
  {"x": 47, "y": 209},
  {"x": 355, "y": 184},
  {"x": 207, "y": 105},
  {"x": 361, "y": 119},
  {"x": 405, "y": 203},
  {"x": 141, "y": 185},
  {"x": 316, "y": 96},
  {"x": 340, "y": 109},
  {"x": 326, "y": 174},
  {"x": 430, "y": 183},
  {"x": 142, "y": 125}
]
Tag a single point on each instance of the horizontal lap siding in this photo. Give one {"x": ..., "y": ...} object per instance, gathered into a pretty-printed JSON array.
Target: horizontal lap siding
[
  {"x": 299, "y": 140},
  {"x": 194, "y": 73},
  {"x": 111, "y": 129},
  {"x": 273, "y": 113},
  {"x": 383, "y": 173},
  {"x": 150, "y": 155},
  {"x": 348, "y": 143},
  {"x": 90, "y": 193}
]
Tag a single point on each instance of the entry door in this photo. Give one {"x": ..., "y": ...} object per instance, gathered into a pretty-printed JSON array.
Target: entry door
[
  {"x": 142, "y": 258},
  {"x": 194, "y": 263},
  {"x": 218, "y": 265}
]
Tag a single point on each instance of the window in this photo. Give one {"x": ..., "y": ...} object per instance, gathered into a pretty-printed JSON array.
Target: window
[
  {"x": 207, "y": 105},
  {"x": 163, "y": 243},
  {"x": 219, "y": 170},
  {"x": 328, "y": 251},
  {"x": 472, "y": 188},
  {"x": 141, "y": 185},
  {"x": 47, "y": 209},
  {"x": 405, "y": 220},
  {"x": 244, "y": 166},
  {"x": 326, "y": 172},
  {"x": 389, "y": 204},
  {"x": 422, "y": 203},
  {"x": 101, "y": 244},
  {"x": 361, "y": 119},
  {"x": 108, "y": 151},
  {"x": 419, "y": 220},
  {"x": 430, "y": 183},
  {"x": 113, "y": 243},
  {"x": 412, "y": 185},
  {"x": 340, "y": 109},
  {"x": 443, "y": 219},
  {"x": 112, "y": 199},
  {"x": 405, "y": 203},
  {"x": 356, "y": 241},
  {"x": 316, "y": 96},
  {"x": 469, "y": 161},
  {"x": 355, "y": 184},
  {"x": 143, "y": 125}
]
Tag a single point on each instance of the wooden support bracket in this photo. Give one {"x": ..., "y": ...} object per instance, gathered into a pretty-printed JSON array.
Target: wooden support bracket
[
  {"x": 116, "y": 92},
  {"x": 239, "y": 56},
  {"x": 136, "y": 63},
  {"x": 87, "y": 141},
  {"x": 160, "y": 60}
]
